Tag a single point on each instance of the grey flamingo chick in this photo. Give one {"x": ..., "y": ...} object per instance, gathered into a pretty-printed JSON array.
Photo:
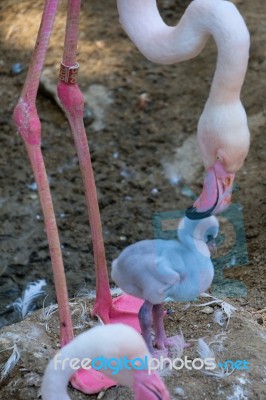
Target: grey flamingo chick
[{"x": 159, "y": 270}]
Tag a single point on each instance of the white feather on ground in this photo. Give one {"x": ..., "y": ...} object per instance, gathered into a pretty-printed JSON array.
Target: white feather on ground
[
  {"x": 11, "y": 362},
  {"x": 85, "y": 319},
  {"x": 91, "y": 294},
  {"x": 205, "y": 351},
  {"x": 47, "y": 314},
  {"x": 239, "y": 394},
  {"x": 220, "y": 316},
  {"x": 23, "y": 305}
]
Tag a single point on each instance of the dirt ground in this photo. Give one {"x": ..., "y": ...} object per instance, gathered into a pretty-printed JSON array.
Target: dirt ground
[{"x": 135, "y": 147}]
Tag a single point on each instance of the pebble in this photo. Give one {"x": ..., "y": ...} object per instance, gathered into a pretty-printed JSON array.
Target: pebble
[
  {"x": 101, "y": 395},
  {"x": 179, "y": 391},
  {"x": 115, "y": 154},
  {"x": 33, "y": 196},
  {"x": 127, "y": 173},
  {"x": 32, "y": 186},
  {"x": 207, "y": 310},
  {"x": 154, "y": 191},
  {"x": 186, "y": 191},
  {"x": 17, "y": 68}
]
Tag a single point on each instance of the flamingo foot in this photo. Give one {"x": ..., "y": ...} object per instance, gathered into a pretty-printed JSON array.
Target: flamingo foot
[
  {"x": 176, "y": 344},
  {"x": 169, "y": 347},
  {"x": 158, "y": 353},
  {"x": 125, "y": 310},
  {"x": 90, "y": 381}
]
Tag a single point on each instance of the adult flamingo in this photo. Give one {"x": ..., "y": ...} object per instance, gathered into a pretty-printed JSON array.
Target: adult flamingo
[
  {"x": 223, "y": 133},
  {"x": 116, "y": 341}
]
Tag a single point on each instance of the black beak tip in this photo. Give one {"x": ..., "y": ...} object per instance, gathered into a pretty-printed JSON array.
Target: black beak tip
[{"x": 192, "y": 213}]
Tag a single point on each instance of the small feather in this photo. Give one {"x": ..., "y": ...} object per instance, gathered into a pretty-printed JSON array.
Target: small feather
[
  {"x": 91, "y": 294},
  {"x": 11, "y": 362},
  {"x": 219, "y": 317},
  {"x": 227, "y": 309},
  {"x": 204, "y": 350},
  {"x": 23, "y": 305},
  {"x": 239, "y": 394},
  {"x": 47, "y": 314}
]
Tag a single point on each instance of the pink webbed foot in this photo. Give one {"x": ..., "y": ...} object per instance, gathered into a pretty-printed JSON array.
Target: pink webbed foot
[
  {"x": 174, "y": 344},
  {"x": 121, "y": 309},
  {"x": 124, "y": 309},
  {"x": 158, "y": 353},
  {"x": 176, "y": 341},
  {"x": 91, "y": 381}
]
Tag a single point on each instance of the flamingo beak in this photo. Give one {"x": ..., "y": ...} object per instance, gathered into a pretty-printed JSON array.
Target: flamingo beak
[
  {"x": 211, "y": 243},
  {"x": 150, "y": 387},
  {"x": 216, "y": 193}
]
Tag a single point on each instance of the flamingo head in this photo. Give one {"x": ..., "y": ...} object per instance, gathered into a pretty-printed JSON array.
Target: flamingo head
[
  {"x": 204, "y": 230},
  {"x": 223, "y": 138},
  {"x": 149, "y": 386}
]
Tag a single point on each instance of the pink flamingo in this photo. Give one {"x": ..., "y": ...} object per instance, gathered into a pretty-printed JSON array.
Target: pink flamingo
[
  {"x": 223, "y": 133},
  {"x": 123, "y": 308},
  {"x": 109, "y": 341}
]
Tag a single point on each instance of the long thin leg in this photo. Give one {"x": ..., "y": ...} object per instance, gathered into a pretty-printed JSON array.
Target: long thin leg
[
  {"x": 160, "y": 335},
  {"x": 29, "y": 127},
  {"x": 123, "y": 308},
  {"x": 73, "y": 103},
  {"x": 162, "y": 342},
  {"x": 88, "y": 381},
  {"x": 145, "y": 321}
]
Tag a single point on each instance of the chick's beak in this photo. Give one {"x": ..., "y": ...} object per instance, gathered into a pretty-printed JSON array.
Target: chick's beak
[{"x": 211, "y": 243}]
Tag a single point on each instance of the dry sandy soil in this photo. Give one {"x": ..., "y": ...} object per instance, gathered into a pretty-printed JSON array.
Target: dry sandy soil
[{"x": 139, "y": 150}]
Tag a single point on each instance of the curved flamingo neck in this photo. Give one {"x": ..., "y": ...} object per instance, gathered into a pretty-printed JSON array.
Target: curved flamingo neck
[
  {"x": 102, "y": 342},
  {"x": 197, "y": 246},
  {"x": 163, "y": 44}
]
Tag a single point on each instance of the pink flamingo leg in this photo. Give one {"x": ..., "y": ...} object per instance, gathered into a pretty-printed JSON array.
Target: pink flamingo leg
[
  {"x": 124, "y": 308},
  {"x": 73, "y": 103},
  {"x": 29, "y": 127},
  {"x": 162, "y": 342}
]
